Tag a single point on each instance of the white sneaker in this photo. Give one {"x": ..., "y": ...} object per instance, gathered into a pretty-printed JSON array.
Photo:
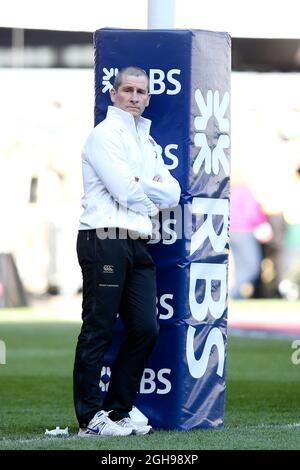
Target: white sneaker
[
  {"x": 139, "y": 429},
  {"x": 101, "y": 425}
]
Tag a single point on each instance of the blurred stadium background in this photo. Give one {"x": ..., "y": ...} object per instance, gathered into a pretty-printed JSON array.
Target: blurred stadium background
[
  {"x": 46, "y": 95},
  {"x": 46, "y": 115}
]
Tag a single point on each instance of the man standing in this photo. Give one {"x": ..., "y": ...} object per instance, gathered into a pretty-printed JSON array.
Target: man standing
[{"x": 125, "y": 182}]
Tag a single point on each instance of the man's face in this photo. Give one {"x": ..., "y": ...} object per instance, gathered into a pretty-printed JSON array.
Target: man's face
[{"x": 132, "y": 95}]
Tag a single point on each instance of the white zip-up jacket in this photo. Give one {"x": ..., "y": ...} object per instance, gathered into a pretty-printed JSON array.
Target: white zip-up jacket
[{"x": 116, "y": 153}]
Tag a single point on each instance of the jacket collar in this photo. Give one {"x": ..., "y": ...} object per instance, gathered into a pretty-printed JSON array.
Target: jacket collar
[{"x": 143, "y": 124}]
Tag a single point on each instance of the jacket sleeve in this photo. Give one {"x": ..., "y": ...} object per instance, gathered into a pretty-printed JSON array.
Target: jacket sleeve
[
  {"x": 107, "y": 156},
  {"x": 165, "y": 193}
]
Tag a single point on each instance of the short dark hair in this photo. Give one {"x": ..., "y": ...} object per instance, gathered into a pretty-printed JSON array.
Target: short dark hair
[{"x": 131, "y": 70}]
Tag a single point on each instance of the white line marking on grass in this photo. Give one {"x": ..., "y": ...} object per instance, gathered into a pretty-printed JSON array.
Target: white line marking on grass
[
  {"x": 279, "y": 426},
  {"x": 35, "y": 439}
]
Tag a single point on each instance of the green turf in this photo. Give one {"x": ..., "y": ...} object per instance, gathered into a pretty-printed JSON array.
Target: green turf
[{"x": 262, "y": 398}]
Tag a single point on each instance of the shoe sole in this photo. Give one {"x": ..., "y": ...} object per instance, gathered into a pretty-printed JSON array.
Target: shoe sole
[
  {"x": 143, "y": 431},
  {"x": 84, "y": 434}
]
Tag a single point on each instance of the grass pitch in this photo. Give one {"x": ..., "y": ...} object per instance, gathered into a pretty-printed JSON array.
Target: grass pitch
[{"x": 262, "y": 397}]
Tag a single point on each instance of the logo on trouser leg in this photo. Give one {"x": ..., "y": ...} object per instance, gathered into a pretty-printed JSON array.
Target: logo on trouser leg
[{"x": 108, "y": 269}]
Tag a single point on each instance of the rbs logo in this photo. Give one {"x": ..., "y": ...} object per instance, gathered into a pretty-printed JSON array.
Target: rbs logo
[
  {"x": 151, "y": 382},
  {"x": 159, "y": 81}
]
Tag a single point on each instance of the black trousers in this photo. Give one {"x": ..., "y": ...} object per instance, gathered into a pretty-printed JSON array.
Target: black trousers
[{"x": 118, "y": 277}]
